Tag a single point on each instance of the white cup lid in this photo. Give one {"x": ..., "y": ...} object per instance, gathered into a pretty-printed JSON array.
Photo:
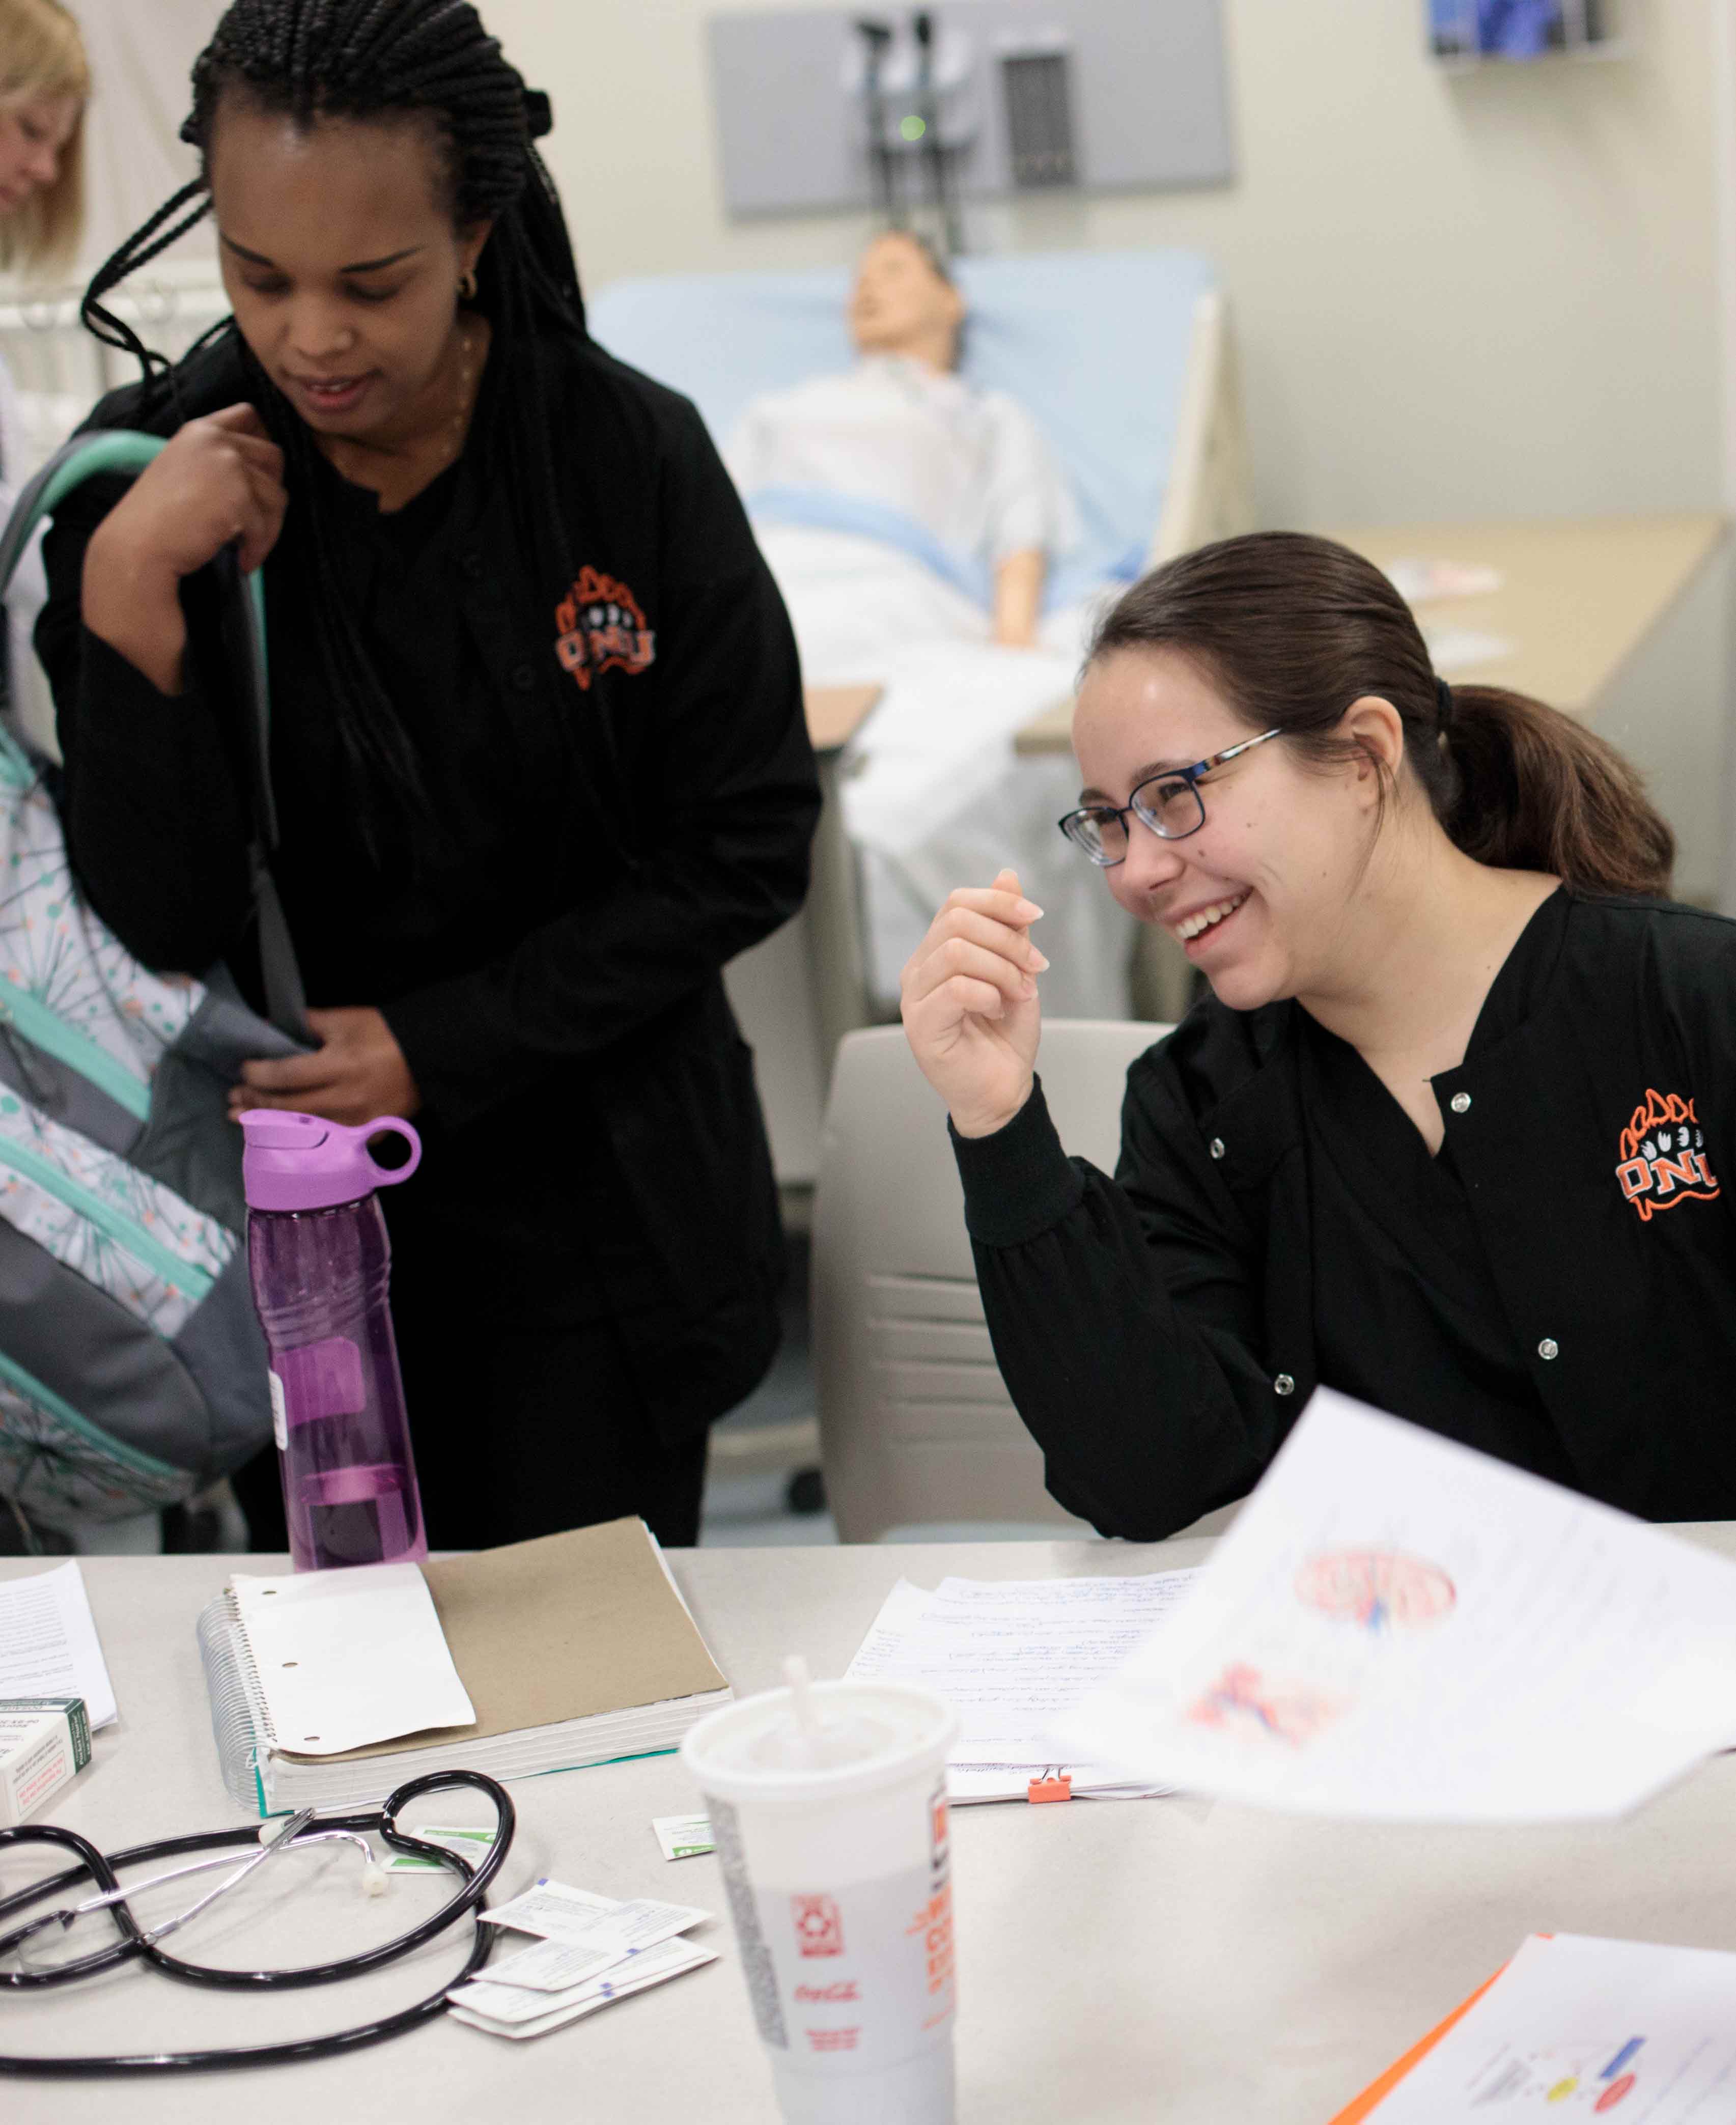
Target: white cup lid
[{"x": 870, "y": 1734}]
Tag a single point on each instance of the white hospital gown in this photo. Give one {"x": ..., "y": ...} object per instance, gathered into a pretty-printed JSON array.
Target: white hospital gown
[{"x": 968, "y": 465}]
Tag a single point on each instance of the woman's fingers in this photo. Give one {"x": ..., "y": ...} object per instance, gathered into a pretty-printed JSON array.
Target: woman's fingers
[
  {"x": 259, "y": 451},
  {"x": 1015, "y": 944},
  {"x": 969, "y": 1003},
  {"x": 258, "y": 532},
  {"x": 963, "y": 941},
  {"x": 963, "y": 995},
  {"x": 240, "y": 419},
  {"x": 289, "y": 1073},
  {"x": 957, "y": 956},
  {"x": 265, "y": 500},
  {"x": 996, "y": 901}
]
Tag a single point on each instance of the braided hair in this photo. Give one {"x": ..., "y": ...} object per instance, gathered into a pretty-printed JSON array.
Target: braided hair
[{"x": 309, "y": 60}]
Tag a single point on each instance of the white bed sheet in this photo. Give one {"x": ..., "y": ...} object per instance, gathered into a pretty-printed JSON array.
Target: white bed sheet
[{"x": 934, "y": 794}]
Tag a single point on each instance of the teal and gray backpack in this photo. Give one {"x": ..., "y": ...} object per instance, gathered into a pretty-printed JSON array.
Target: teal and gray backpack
[{"x": 132, "y": 1370}]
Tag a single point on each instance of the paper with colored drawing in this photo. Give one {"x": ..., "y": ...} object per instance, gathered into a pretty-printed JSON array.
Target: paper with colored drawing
[
  {"x": 1397, "y": 1628},
  {"x": 1580, "y": 2028}
]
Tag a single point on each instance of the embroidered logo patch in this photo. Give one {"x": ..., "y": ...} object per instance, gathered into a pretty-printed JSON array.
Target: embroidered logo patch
[
  {"x": 1663, "y": 1159},
  {"x": 602, "y": 628}
]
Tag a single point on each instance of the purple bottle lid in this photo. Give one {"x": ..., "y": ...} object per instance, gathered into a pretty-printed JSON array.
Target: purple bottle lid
[{"x": 299, "y": 1162}]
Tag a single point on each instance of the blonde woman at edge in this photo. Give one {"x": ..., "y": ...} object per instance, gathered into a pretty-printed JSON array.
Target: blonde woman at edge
[{"x": 45, "y": 83}]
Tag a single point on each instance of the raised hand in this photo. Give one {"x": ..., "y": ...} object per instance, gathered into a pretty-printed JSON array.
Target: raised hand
[
  {"x": 970, "y": 1004},
  {"x": 218, "y": 480}
]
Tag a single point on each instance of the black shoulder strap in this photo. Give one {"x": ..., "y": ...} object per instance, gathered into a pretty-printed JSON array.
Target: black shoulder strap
[{"x": 243, "y": 627}]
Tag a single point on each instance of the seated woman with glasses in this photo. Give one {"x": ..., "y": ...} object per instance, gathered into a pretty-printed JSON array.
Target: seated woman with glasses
[{"x": 1451, "y": 1131}]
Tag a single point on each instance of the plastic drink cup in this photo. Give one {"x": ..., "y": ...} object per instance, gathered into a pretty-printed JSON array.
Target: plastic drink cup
[
  {"x": 828, "y": 1811},
  {"x": 319, "y": 1260}
]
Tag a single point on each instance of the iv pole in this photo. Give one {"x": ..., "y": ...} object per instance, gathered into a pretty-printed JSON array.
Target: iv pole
[
  {"x": 877, "y": 36},
  {"x": 934, "y": 155}
]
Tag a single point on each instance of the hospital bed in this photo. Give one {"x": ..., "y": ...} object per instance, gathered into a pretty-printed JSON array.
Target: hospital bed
[{"x": 1125, "y": 360}]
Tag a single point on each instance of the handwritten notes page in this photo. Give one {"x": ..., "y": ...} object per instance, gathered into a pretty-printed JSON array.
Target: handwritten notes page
[
  {"x": 1579, "y": 2027},
  {"x": 1398, "y": 1627},
  {"x": 48, "y": 1641},
  {"x": 1011, "y": 1655}
]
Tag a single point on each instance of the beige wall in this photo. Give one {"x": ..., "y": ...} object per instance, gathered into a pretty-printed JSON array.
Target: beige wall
[{"x": 1456, "y": 294}]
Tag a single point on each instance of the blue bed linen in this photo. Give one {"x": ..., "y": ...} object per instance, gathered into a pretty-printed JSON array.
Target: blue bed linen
[
  {"x": 1093, "y": 343},
  {"x": 822, "y": 511}
]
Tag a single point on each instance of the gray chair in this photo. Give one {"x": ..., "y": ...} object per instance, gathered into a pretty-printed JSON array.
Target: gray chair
[{"x": 916, "y": 1425}]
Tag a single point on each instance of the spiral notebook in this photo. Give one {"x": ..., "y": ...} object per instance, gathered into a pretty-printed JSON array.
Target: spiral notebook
[{"x": 572, "y": 1649}]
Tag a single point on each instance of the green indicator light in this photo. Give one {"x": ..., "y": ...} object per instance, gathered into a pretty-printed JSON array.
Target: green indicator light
[{"x": 913, "y": 128}]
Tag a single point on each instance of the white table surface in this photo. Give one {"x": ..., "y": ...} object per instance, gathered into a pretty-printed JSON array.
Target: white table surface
[{"x": 1170, "y": 1960}]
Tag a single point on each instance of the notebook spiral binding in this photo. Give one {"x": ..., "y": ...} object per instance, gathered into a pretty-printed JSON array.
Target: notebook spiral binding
[{"x": 240, "y": 1723}]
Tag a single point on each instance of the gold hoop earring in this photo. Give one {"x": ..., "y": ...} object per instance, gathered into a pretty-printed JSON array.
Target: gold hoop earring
[{"x": 467, "y": 285}]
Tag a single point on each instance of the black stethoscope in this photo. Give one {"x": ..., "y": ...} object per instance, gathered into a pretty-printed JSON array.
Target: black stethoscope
[{"x": 138, "y": 1943}]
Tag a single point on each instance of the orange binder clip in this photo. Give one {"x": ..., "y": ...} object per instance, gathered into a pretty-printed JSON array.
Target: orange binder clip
[{"x": 1055, "y": 1784}]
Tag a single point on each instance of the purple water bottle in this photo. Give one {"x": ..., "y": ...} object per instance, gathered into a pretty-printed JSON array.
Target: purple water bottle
[{"x": 317, "y": 1251}]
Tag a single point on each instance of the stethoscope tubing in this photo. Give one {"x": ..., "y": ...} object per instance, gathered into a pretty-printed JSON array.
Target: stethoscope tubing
[{"x": 135, "y": 1945}]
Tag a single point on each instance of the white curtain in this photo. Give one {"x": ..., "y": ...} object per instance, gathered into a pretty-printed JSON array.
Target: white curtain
[{"x": 142, "y": 55}]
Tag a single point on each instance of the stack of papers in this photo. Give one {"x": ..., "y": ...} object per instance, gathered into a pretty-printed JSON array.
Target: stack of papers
[
  {"x": 1398, "y": 1628},
  {"x": 48, "y": 1643},
  {"x": 591, "y": 1951},
  {"x": 328, "y": 1689},
  {"x": 1573, "y": 2028},
  {"x": 1011, "y": 1656}
]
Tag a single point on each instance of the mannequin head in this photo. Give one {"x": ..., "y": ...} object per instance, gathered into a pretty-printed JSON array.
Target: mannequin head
[{"x": 904, "y": 302}]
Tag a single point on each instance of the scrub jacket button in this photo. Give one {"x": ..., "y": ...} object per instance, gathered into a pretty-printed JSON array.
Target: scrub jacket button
[
  {"x": 524, "y": 678},
  {"x": 1216, "y": 1147},
  {"x": 1549, "y": 1347},
  {"x": 1461, "y": 1103},
  {"x": 1284, "y": 1384}
]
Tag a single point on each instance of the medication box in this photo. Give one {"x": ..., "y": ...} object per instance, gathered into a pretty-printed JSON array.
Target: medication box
[{"x": 45, "y": 1742}]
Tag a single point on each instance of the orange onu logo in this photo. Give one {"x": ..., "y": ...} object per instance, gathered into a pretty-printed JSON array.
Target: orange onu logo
[
  {"x": 602, "y": 628},
  {"x": 1663, "y": 1159}
]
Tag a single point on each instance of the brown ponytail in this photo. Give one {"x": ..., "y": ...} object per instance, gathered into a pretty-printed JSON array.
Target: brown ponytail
[{"x": 1294, "y": 629}]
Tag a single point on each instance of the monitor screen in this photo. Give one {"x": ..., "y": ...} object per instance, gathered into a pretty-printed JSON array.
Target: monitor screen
[{"x": 1513, "y": 29}]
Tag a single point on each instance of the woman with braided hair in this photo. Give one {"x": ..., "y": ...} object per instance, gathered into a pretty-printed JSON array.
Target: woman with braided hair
[{"x": 538, "y": 744}]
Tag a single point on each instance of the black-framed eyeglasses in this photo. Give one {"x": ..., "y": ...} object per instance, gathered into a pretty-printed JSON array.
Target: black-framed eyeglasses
[{"x": 1169, "y": 803}]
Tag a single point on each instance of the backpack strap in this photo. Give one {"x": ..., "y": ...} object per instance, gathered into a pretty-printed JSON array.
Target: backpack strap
[{"x": 241, "y": 601}]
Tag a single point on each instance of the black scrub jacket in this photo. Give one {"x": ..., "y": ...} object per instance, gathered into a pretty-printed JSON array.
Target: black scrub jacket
[
  {"x": 1560, "y": 1288},
  {"x": 624, "y": 793}
]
